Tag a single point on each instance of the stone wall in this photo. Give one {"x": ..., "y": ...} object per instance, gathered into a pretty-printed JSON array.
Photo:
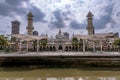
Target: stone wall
[{"x": 63, "y": 61}]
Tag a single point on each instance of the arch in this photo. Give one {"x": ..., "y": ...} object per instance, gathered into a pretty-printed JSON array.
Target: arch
[
  {"x": 60, "y": 48},
  {"x": 47, "y": 48},
  {"x": 40, "y": 48},
  {"x": 51, "y": 48},
  {"x": 66, "y": 48},
  {"x": 73, "y": 48},
  {"x": 54, "y": 48},
  {"x": 69, "y": 47},
  {"x": 76, "y": 47}
]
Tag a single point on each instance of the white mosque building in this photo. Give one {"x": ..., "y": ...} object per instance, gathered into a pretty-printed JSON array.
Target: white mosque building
[{"x": 62, "y": 41}]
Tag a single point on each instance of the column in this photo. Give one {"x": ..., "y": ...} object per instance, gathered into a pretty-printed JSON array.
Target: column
[
  {"x": 101, "y": 44},
  {"x": 94, "y": 45},
  {"x": 83, "y": 46},
  {"x": 20, "y": 45},
  {"x": 37, "y": 46},
  {"x": 27, "y": 46}
]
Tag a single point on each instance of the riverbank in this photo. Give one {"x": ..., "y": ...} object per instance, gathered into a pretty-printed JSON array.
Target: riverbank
[{"x": 62, "y": 59}]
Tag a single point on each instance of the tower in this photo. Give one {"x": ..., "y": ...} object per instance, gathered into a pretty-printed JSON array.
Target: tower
[
  {"x": 30, "y": 24},
  {"x": 90, "y": 26},
  {"x": 15, "y": 28}
]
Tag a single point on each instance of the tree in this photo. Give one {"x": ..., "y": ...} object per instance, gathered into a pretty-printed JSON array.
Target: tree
[
  {"x": 43, "y": 42},
  {"x": 80, "y": 44},
  {"x": 74, "y": 41},
  {"x": 35, "y": 45},
  {"x": 3, "y": 42},
  {"x": 117, "y": 43}
]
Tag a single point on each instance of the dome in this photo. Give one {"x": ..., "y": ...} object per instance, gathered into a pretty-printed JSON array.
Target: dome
[
  {"x": 60, "y": 35},
  {"x": 35, "y": 33}
]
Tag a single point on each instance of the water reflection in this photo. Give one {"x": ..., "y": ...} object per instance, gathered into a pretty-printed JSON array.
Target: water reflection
[{"x": 66, "y": 78}]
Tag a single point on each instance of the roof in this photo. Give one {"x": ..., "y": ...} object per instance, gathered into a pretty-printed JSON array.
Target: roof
[
  {"x": 95, "y": 36},
  {"x": 82, "y": 36},
  {"x": 24, "y": 37}
]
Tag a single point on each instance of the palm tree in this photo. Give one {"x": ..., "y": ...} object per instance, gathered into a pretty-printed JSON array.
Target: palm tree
[{"x": 117, "y": 43}]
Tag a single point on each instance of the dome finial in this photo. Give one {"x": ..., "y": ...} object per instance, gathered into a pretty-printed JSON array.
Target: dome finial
[
  {"x": 73, "y": 34},
  {"x": 59, "y": 30}
]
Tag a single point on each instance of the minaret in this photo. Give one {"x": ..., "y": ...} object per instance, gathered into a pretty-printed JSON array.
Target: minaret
[
  {"x": 30, "y": 24},
  {"x": 90, "y": 26}
]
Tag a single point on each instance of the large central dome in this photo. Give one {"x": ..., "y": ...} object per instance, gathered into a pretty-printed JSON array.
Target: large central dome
[{"x": 60, "y": 35}]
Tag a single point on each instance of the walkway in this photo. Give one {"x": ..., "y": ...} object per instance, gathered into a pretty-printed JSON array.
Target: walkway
[{"x": 59, "y": 53}]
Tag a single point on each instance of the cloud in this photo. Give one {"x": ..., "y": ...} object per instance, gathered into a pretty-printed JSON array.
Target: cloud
[
  {"x": 38, "y": 14},
  {"x": 102, "y": 22},
  {"x": 76, "y": 25},
  {"x": 10, "y": 8},
  {"x": 65, "y": 14},
  {"x": 15, "y": 2},
  {"x": 58, "y": 21},
  {"x": 13, "y": 8}
]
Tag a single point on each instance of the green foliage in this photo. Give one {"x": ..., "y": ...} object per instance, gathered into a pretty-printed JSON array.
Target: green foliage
[
  {"x": 74, "y": 41},
  {"x": 117, "y": 42},
  {"x": 81, "y": 43},
  {"x": 3, "y": 40},
  {"x": 43, "y": 42},
  {"x": 4, "y": 45}
]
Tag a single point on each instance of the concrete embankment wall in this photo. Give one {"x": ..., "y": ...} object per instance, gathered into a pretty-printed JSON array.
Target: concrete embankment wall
[{"x": 62, "y": 61}]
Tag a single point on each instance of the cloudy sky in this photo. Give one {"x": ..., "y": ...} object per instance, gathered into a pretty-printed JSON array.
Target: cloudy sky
[{"x": 69, "y": 15}]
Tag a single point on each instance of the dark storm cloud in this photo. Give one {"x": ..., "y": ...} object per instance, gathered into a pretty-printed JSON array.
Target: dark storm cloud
[
  {"x": 58, "y": 22},
  {"x": 118, "y": 14},
  {"x": 101, "y": 23},
  {"x": 16, "y": 6},
  {"x": 38, "y": 14},
  {"x": 65, "y": 15},
  {"x": 76, "y": 25},
  {"x": 15, "y": 2},
  {"x": 12, "y": 6}
]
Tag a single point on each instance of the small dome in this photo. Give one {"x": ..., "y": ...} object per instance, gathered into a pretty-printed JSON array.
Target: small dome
[{"x": 35, "y": 33}]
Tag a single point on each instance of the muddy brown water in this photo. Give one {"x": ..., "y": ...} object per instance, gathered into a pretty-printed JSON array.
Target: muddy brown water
[{"x": 11, "y": 73}]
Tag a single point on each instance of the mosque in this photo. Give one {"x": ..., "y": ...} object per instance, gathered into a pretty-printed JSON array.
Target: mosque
[{"x": 92, "y": 41}]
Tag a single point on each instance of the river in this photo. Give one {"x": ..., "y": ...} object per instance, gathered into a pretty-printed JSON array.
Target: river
[{"x": 57, "y": 74}]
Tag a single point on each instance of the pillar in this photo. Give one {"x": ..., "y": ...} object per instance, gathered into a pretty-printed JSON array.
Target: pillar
[{"x": 83, "y": 46}]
